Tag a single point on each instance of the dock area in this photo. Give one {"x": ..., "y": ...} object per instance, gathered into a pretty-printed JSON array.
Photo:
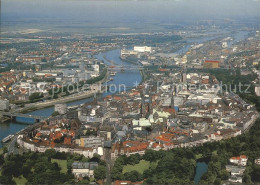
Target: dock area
[{"x": 4, "y": 119}]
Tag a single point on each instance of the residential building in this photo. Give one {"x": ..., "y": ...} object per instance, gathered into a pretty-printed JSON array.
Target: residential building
[
  {"x": 257, "y": 161},
  {"x": 239, "y": 160},
  {"x": 84, "y": 169},
  {"x": 257, "y": 90},
  {"x": 93, "y": 142}
]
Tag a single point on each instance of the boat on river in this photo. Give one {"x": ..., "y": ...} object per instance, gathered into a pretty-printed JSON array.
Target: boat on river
[
  {"x": 112, "y": 73},
  {"x": 8, "y": 138}
]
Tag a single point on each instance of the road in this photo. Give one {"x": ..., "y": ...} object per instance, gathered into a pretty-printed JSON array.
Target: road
[
  {"x": 107, "y": 158},
  {"x": 12, "y": 146},
  {"x": 70, "y": 98},
  {"x": 66, "y": 99}
]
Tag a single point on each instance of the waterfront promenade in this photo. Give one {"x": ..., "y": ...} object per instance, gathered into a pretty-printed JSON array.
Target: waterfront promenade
[{"x": 49, "y": 103}]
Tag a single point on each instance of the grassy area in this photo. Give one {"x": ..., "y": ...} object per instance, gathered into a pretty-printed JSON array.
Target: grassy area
[
  {"x": 198, "y": 156},
  {"x": 20, "y": 180},
  {"x": 140, "y": 167},
  {"x": 215, "y": 152},
  {"x": 62, "y": 164}
]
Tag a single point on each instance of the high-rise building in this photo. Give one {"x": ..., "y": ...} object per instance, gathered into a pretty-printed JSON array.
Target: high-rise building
[{"x": 184, "y": 77}]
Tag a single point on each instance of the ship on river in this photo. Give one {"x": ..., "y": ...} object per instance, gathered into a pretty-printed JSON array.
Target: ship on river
[
  {"x": 112, "y": 73},
  {"x": 8, "y": 138}
]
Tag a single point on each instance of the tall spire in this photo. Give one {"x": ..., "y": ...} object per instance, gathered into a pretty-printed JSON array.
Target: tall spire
[
  {"x": 142, "y": 109},
  {"x": 172, "y": 101},
  {"x": 172, "y": 97},
  {"x": 150, "y": 105}
]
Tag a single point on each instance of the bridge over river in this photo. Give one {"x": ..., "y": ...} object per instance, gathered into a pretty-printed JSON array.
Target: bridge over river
[
  {"x": 23, "y": 118},
  {"x": 124, "y": 68}
]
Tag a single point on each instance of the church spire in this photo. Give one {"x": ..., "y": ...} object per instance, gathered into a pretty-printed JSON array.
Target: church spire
[{"x": 172, "y": 99}]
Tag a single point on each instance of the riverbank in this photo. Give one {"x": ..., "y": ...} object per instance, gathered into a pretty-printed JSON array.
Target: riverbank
[
  {"x": 61, "y": 100},
  {"x": 4, "y": 119},
  {"x": 66, "y": 99},
  {"x": 128, "y": 61},
  {"x": 128, "y": 77}
]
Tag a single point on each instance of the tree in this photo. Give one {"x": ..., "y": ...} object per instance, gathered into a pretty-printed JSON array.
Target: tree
[
  {"x": 134, "y": 159},
  {"x": 256, "y": 173},
  {"x": 26, "y": 170},
  {"x": 208, "y": 177},
  {"x": 95, "y": 158},
  {"x": 6, "y": 180},
  {"x": 5, "y": 150},
  {"x": 223, "y": 174},
  {"x": 147, "y": 173},
  {"x": 61, "y": 155},
  {"x": 100, "y": 173},
  {"x": 35, "y": 96},
  {"x": 2, "y": 160},
  {"x": 150, "y": 155},
  {"x": 133, "y": 176},
  {"x": 77, "y": 157},
  {"x": 50, "y": 153},
  {"x": 40, "y": 167},
  {"x": 247, "y": 179},
  {"x": 83, "y": 182},
  {"x": 116, "y": 172},
  {"x": 55, "y": 113},
  {"x": 217, "y": 181}
]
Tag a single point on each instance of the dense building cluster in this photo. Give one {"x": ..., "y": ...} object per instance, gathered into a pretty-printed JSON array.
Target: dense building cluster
[{"x": 162, "y": 113}]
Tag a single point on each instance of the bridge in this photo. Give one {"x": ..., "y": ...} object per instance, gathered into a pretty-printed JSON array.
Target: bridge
[
  {"x": 125, "y": 68},
  {"x": 23, "y": 118}
]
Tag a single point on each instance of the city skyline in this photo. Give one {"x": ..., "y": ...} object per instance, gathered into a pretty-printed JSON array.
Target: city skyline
[{"x": 123, "y": 14}]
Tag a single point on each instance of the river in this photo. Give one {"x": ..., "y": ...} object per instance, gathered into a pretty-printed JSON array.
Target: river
[{"x": 128, "y": 77}]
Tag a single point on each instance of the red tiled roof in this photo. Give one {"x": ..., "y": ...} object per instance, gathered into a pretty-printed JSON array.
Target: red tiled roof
[
  {"x": 170, "y": 110},
  {"x": 67, "y": 140},
  {"x": 117, "y": 98},
  {"x": 53, "y": 144},
  {"x": 239, "y": 157},
  {"x": 38, "y": 134},
  {"x": 235, "y": 158}
]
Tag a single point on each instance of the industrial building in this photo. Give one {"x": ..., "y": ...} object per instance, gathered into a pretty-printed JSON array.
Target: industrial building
[
  {"x": 4, "y": 105},
  {"x": 211, "y": 64},
  {"x": 143, "y": 49}
]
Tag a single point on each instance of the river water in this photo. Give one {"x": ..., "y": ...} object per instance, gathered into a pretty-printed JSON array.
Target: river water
[
  {"x": 128, "y": 77},
  {"x": 201, "y": 168}
]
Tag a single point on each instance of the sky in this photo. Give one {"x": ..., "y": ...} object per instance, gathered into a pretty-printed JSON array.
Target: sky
[{"x": 127, "y": 11}]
